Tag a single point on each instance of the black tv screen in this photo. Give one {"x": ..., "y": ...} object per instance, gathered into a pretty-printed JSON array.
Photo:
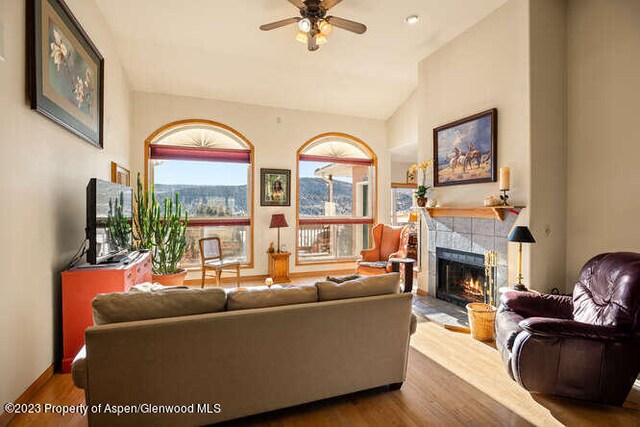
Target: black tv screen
[{"x": 109, "y": 216}]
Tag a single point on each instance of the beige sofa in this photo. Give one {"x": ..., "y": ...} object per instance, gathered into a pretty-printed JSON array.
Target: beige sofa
[{"x": 247, "y": 361}]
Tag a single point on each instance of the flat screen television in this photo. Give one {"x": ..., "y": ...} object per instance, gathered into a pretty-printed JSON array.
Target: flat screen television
[{"x": 109, "y": 217}]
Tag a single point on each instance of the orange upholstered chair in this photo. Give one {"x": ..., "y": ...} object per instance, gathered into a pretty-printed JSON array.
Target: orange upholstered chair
[{"x": 388, "y": 242}]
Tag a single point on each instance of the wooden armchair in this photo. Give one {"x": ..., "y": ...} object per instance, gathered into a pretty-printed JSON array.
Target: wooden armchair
[
  {"x": 211, "y": 259},
  {"x": 388, "y": 242}
]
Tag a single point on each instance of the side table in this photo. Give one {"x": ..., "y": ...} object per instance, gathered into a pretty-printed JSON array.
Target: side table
[
  {"x": 279, "y": 267},
  {"x": 408, "y": 270}
]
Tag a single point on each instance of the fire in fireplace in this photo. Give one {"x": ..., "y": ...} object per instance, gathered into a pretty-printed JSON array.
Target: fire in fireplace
[{"x": 461, "y": 277}]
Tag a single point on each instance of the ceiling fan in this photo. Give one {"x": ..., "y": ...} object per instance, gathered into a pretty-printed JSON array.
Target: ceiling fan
[{"x": 314, "y": 24}]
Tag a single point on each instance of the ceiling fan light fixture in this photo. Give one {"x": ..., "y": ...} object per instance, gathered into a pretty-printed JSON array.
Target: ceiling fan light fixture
[
  {"x": 321, "y": 39},
  {"x": 325, "y": 28},
  {"x": 304, "y": 25},
  {"x": 313, "y": 23},
  {"x": 412, "y": 19},
  {"x": 302, "y": 37}
]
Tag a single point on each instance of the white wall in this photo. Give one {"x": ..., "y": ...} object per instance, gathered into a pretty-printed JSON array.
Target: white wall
[
  {"x": 399, "y": 170},
  {"x": 547, "y": 206},
  {"x": 603, "y": 61},
  {"x": 276, "y": 134},
  {"x": 564, "y": 77},
  {"x": 402, "y": 137},
  {"x": 402, "y": 126},
  {"x": 485, "y": 67},
  {"x": 44, "y": 170}
]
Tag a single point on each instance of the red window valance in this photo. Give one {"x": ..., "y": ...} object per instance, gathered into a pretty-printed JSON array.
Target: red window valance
[
  {"x": 219, "y": 222},
  {"x": 328, "y": 159},
  {"x": 171, "y": 152}
]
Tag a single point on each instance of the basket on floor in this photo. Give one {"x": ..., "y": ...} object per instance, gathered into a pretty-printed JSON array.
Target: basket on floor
[{"x": 482, "y": 319}]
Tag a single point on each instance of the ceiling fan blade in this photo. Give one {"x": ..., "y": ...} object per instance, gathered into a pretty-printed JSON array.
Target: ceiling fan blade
[
  {"x": 345, "y": 24},
  {"x": 311, "y": 43},
  {"x": 278, "y": 24},
  {"x": 297, "y": 3},
  {"x": 328, "y": 4}
]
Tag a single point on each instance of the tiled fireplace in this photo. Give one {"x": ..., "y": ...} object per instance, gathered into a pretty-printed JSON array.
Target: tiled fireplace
[
  {"x": 468, "y": 239},
  {"x": 461, "y": 277}
]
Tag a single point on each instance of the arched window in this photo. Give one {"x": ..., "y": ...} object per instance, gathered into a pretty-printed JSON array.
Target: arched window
[
  {"x": 210, "y": 166},
  {"x": 336, "y": 203}
]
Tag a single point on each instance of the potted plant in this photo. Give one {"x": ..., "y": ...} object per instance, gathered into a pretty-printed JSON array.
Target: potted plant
[
  {"x": 421, "y": 195},
  {"x": 421, "y": 192},
  {"x": 161, "y": 230}
]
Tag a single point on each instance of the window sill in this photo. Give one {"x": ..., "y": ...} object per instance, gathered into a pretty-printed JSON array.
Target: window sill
[
  {"x": 327, "y": 262},
  {"x": 198, "y": 269}
]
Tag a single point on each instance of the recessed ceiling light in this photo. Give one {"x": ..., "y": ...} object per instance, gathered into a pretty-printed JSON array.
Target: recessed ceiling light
[{"x": 412, "y": 19}]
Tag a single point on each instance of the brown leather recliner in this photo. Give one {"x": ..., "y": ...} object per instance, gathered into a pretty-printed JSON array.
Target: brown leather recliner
[{"x": 585, "y": 346}]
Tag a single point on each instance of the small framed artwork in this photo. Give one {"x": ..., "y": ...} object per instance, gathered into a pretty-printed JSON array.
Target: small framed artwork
[
  {"x": 275, "y": 187},
  {"x": 120, "y": 175},
  {"x": 411, "y": 176},
  {"x": 466, "y": 150},
  {"x": 65, "y": 70}
]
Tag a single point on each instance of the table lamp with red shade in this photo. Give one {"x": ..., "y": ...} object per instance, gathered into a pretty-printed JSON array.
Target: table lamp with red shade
[{"x": 278, "y": 221}]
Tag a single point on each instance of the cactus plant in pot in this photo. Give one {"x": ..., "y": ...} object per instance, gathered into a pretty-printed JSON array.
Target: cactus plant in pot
[{"x": 161, "y": 229}]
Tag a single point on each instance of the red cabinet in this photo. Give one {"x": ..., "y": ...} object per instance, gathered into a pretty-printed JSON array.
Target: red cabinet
[{"x": 80, "y": 285}]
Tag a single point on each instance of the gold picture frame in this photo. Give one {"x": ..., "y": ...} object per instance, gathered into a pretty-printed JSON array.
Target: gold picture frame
[{"x": 120, "y": 175}]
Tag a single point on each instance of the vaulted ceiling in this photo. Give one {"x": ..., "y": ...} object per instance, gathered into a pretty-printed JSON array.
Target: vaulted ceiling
[{"x": 214, "y": 49}]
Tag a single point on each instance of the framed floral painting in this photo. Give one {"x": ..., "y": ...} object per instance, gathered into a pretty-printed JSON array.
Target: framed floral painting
[{"x": 66, "y": 71}]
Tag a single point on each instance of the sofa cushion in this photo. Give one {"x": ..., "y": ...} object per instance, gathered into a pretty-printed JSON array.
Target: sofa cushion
[
  {"x": 129, "y": 307},
  {"x": 270, "y": 297},
  {"x": 365, "y": 286}
]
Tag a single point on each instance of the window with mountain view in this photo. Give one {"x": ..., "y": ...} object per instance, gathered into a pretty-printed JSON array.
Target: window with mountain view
[
  {"x": 401, "y": 203},
  {"x": 336, "y": 199},
  {"x": 209, "y": 166}
]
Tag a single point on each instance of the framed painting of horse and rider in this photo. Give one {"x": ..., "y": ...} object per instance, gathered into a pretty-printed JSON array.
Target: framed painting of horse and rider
[{"x": 466, "y": 151}]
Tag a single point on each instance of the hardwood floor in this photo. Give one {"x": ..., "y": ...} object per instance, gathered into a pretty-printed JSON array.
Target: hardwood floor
[{"x": 452, "y": 380}]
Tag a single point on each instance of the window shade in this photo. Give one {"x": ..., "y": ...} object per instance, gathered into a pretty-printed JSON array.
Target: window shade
[
  {"x": 170, "y": 152},
  {"x": 219, "y": 222},
  {"x": 327, "y": 159}
]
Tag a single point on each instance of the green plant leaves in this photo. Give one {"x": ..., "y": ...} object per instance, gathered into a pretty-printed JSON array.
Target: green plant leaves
[{"x": 162, "y": 231}]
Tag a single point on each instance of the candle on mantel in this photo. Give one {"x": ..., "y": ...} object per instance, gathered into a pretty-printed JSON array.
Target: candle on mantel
[{"x": 505, "y": 179}]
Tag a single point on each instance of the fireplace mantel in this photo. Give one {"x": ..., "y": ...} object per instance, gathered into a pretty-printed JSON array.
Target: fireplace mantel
[
  {"x": 468, "y": 229},
  {"x": 492, "y": 212}
]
